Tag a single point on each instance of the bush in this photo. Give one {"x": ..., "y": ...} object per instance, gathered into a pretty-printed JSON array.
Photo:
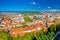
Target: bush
[{"x": 5, "y": 36}]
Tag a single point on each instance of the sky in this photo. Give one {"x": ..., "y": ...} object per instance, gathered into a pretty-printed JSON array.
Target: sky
[{"x": 29, "y": 5}]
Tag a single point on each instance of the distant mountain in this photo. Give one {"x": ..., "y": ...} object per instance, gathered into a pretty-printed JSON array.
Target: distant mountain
[
  {"x": 30, "y": 12},
  {"x": 22, "y": 12}
]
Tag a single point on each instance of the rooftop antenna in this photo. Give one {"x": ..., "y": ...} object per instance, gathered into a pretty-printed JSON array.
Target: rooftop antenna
[
  {"x": 46, "y": 21},
  {"x": 8, "y": 29}
]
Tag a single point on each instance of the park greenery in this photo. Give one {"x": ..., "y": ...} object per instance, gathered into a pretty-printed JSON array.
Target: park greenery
[
  {"x": 27, "y": 18},
  {"x": 41, "y": 35}
]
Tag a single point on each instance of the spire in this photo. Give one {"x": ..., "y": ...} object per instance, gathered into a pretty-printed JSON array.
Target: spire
[{"x": 46, "y": 24}]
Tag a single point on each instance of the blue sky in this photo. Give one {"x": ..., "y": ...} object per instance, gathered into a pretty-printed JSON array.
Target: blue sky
[{"x": 29, "y": 5}]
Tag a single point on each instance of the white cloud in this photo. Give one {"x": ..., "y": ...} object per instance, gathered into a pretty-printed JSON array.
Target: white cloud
[
  {"x": 33, "y": 3},
  {"x": 49, "y": 7},
  {"x": 52, "y": 10}
]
